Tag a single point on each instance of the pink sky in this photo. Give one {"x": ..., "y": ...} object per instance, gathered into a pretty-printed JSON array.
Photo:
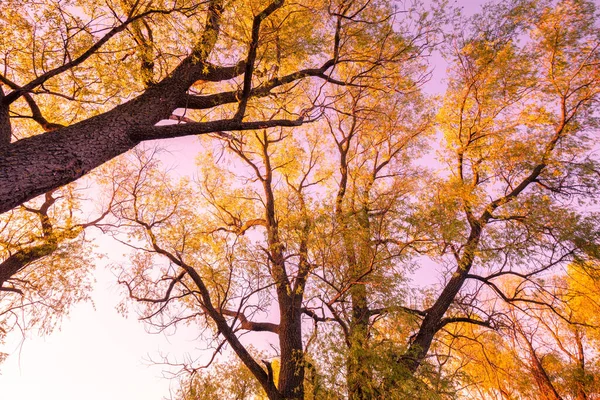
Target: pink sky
[{"x": 97, "y": 353}]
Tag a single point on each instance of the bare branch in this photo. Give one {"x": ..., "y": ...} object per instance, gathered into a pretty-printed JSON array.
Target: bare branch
[
  {"x": 250, "y": 325},
  {"x": 197, "y": 128},
  {"x": 251, "y": 58}
]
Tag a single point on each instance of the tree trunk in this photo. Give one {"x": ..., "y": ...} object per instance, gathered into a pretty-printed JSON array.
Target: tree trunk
[
  {"x": 291, "y": 373},
  {"x": 359, "y": 371},
  {"x": 419, "y": 348},
  {"x": 581, "y": 392},
  {"x": 38, "y": 164},
  {"x": 545, "y": 386},
  {"x": 359, "y": 374}
]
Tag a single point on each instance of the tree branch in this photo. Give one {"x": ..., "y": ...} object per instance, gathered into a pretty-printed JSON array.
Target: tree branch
[
  {"x": 251, "y": 58},
  {"x": 165, "y": 298},
  {"x": 316, "y": 317},
  {"x": 15, "y": 94},
  {"x": 453, "y": 320},
  {"x": 36, "y": 113},
  {"x": 251, "y": 325},
  {"x": 208, "y": 101},
  {"x": 383, "y": 310},
  {"x": 11, "y": 289},
  {"x": 198, "y": 128},
  {"x": 215, "y": 315}
]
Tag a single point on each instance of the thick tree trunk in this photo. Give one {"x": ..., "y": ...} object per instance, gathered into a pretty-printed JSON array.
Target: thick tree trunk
[
  {"x": 43, "y": 162},
  {"x": 35, "y": 165},
  {"x": 291, "y": 373},
  {"x": 40, "y": 163}
]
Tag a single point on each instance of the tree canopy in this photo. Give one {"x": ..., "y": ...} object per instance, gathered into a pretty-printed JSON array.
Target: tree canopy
[
  {"x": 90, "y": 80},
  {"x": 386, "y": 243}
]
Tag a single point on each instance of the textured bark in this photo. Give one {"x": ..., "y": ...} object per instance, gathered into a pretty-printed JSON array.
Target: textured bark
[
  {"x": 291, "y": 373},
  {"x": 35, "y": 165},
  {"x": 5, "y": 129}
]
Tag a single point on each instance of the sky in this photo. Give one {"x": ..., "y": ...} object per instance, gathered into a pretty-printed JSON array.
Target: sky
[{"x": 98, "y": 354}]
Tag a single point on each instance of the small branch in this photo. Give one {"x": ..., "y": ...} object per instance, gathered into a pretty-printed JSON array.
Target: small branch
[
  {"x": 384, "y": 310},
  {"x": 316, "y": 317},
  {"x": 250, "y": 325},
  {"x": 453, "y": 320},
  {"x": 15, "y": 94},
  {"x": 240, "y": 229},
  {"x": 165, "y": 298},
  {"x": 11, "y": 289},
  {"x": 36, "y": 113},
  {"x": 269, "y": 371}
]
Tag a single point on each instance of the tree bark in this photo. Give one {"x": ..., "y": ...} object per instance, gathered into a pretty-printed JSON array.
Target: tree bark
[
  {"x": 40, "y": 163},
  {"x": 5, "y": 129}
]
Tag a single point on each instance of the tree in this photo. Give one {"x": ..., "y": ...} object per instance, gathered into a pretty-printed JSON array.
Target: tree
[
  {"x": 101, "y": 75},
  {"x": 219, "y": 276},
  {"x": 286, "y": 266},
  {"x": 46, "y": 260},
  {"x": 253, "y": 245},
  {"x": 266, "y": 181},
  {"x": 104, "y": 77},
  {"x": 535, "y": 352},
  {"x": 374, "y": 138},
  {"x": 321, "y": 223},
  {"x": 516, "y": 120}
]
